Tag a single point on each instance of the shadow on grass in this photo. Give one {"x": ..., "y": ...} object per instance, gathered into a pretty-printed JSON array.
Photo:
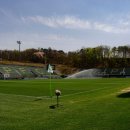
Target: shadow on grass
[
  {"x": 56, "y": 106},
  {"x": 124, "y": 95},
  {"x": 37, "y": 99},
  {"x": 52, "y": 106}
]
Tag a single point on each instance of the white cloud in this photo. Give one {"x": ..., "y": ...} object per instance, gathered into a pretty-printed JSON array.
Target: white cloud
[
  {"x": 71, "y": 22},
  {"x": 55, "y": 22},
  {"x": 67, "y": 41},
  {"x": 110, "y": 29}
]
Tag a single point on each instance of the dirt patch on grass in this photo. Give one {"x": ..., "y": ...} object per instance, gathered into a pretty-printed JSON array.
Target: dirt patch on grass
[
  {"x": 125, "y": 93},
  {"x": 126, "y": 90}
]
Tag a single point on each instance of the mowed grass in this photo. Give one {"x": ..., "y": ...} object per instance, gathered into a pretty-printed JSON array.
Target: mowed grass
[{"x": 85, "y": 104}]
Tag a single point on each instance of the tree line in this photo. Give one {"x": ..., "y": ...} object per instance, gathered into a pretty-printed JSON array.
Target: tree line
[{"x": 97, "y": 57}]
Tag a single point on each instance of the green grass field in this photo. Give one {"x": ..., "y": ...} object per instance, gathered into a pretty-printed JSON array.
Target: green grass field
[{"x": 85, "y": 104}]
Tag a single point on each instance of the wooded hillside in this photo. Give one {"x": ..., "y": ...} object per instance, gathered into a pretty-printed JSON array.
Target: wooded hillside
[{"x": 101, "y": 56}]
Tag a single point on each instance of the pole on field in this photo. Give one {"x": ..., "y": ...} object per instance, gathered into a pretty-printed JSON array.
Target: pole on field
[
  {"x": 57, "y": 101},
  {"x": 50, "y": 87},
  {"x": 58, "y": 93},
  {"x": 50, "y": 70}
]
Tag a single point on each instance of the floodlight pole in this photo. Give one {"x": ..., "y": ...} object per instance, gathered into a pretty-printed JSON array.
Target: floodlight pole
[{"x": 19, "y": 43}]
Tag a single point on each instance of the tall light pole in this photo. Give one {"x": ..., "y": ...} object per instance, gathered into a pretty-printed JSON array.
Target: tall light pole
[{"x": 19, "y": 43}]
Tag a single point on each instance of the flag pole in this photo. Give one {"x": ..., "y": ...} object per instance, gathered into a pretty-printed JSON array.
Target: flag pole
[
  {"x": 50, "y": 87},
  {"x": 50, "y": 70}
]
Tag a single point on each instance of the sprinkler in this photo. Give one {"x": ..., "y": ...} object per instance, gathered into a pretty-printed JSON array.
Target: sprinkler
[{"x": 58, "y": 93}]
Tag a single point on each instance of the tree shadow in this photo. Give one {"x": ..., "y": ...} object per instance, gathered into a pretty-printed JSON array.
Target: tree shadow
[{"x": 124, "y": 95}]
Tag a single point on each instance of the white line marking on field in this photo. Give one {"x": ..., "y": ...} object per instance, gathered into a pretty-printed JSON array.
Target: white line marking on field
[
  {"x": 84, "y": 92},
  {"x": 47, "y": 97},
  {"x": 17, "y": 95},
  {"x": 110, "y": 83}
]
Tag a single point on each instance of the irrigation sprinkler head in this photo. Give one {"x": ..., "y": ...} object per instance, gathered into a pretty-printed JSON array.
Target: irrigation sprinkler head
[{"x": 57, "y": 92}]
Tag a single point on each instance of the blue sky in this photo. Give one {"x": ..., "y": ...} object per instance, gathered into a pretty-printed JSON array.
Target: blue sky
[{"x": 65, "y": 25}]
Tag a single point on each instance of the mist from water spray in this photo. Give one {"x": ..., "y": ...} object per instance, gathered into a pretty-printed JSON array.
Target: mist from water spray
[{"x": 90, "y": 73}]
